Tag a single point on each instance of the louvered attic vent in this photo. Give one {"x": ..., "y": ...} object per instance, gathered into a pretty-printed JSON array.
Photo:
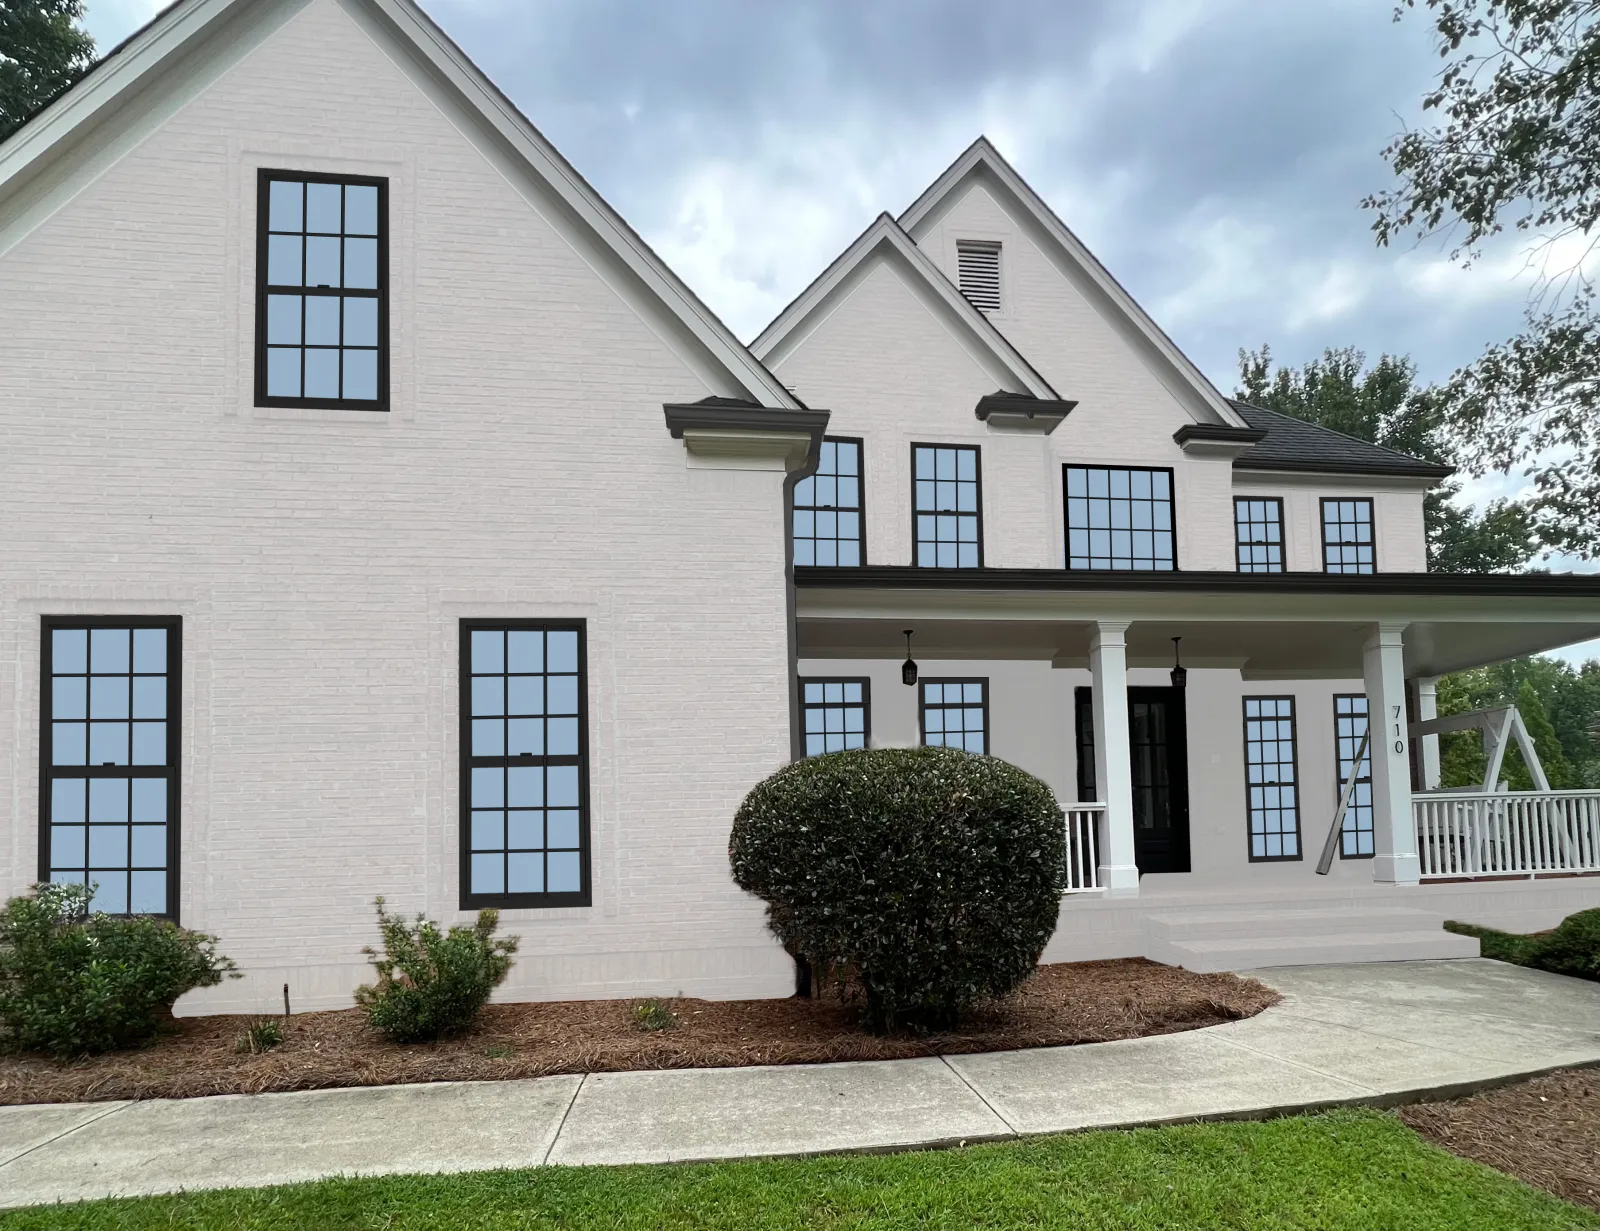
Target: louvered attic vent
[{"x": 978, "y": 265}]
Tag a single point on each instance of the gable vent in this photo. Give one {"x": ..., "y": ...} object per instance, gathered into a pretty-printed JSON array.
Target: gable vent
[{"x": 978, "y": 266}]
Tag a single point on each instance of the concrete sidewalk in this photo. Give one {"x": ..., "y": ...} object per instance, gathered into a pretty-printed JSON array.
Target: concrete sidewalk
[{"x": 1379, "y": 1033}]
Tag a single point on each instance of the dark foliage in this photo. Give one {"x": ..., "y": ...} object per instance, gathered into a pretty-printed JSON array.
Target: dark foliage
[
  {"x": 73, "y": 983},
  {"x": 929, "y": 878},
  {"x": 1573, "y": 948},
  {"x": 42, "y": 52},
  {"x": 432, "y": 984}
]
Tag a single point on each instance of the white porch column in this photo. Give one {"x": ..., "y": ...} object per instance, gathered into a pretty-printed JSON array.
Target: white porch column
[
  {"x": 1113, "y": 771},
  {"x": 1394, "y": 836},
  {"x": 1427, "y": 692}
]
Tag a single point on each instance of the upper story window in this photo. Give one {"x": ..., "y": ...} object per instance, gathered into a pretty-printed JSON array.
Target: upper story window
[
  {"x": 947, "y": 496},
  {"x": 109, "y": 707},
  {"x": 1347, "y": 536},
  {"x": 322, "y": 305},
  {"x": 1119, "y": 518},
  {"x": 1258, "y": 534},
  {"x": 837, "y": 714},
  {"x": 978, "y": 271},
  {"x": 828, "y": 512},
  {"x": 525, "y": 763}
]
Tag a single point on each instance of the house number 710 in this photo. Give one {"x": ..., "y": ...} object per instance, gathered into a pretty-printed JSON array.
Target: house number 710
[{"x": 1399, "y": 740}]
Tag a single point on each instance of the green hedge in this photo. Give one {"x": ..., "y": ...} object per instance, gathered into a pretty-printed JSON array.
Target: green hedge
[
  {"x": 431, "y": 984},
  {"x": 72, "y": 982},
  {"x": 929, "y": 877}
]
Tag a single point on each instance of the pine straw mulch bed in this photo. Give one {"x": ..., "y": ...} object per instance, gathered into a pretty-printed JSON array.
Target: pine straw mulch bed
[
  {"x": 1079, "y": 1002},
  {"x": 1545, "y": 1131}
]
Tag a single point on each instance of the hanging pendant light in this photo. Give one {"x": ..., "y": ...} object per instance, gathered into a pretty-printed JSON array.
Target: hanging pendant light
[
  {"x": 908, "y": 670},
  {"x": 1180, "y": 674}
]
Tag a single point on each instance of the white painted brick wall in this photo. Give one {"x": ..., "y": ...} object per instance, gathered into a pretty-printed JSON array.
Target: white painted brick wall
[{"x": 321, "y": 559}]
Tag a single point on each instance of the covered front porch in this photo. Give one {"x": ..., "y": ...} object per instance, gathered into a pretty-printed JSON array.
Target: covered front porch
[{"x": 1186, "y": 805}]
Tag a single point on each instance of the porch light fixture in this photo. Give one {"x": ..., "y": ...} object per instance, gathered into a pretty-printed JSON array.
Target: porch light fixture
[
  {"x": 1180, "y": 673},
  {"x": 908, "y": 669}
]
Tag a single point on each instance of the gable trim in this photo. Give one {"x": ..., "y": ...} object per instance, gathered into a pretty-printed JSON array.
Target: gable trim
[
  {"x": 981, "y": 157},
  {"x": 885, "y": 236}
]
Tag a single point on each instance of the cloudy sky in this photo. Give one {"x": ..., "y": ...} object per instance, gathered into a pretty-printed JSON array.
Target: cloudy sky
[{"x": 1213, "y": 153}]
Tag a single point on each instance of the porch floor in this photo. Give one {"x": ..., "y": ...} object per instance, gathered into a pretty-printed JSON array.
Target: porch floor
[{"x": 1376, "y": 1034}]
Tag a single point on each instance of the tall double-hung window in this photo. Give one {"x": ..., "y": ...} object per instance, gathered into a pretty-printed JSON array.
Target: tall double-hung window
[
  {"x": 828, "y": 512},
  {"x": 1347, "y": 543},
  {"x": 947, "y": 504},
  {"x": 1349, "y": 730},
  {"x": 955, "y": 714},
  {"x": 1119, "y": 517},
  {"x": 322, "y": 278},
  {"x": 109, "y": 709},
  {"x": 1271, "y": 778},
  {"x": 837, "y": 714},
  {"x": 525, "y": 763}
]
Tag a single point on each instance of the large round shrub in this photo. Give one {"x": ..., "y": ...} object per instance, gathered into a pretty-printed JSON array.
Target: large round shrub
[{"x": 932, "y": 877}]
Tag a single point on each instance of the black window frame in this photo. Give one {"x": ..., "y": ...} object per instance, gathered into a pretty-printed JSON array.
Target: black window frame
[
  {"x": 977, "y": 514},
  {"x": 922, "y": 709},
  {"x": 583, "y": 897},
  {"x": 1084, "y": 741},
  {"x": 1240, "y": 544},
  {"x": 172, "y": 771},
  {"x": 865, "y": 706},
  {"x": 1293, "y": 782},
  {"x": 1372, "y": 531},
  {"x": 264, "y": 178},
  {"x": 1345, "y": 832},
  {"x": 1066, "y": 514},
  {"x": 859, "y": 509}
]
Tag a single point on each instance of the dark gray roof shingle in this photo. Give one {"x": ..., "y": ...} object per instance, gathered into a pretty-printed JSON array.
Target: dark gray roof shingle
[{"x": 1294, "y": 444}]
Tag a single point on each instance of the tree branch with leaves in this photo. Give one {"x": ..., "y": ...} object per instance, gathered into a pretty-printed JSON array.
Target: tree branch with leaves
[{"x": 43, "y": 50}]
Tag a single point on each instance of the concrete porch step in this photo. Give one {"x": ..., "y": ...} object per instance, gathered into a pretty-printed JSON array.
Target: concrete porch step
[
  {"x": 1259, "y": 921},
  {"x": 1206, "y": 955}
]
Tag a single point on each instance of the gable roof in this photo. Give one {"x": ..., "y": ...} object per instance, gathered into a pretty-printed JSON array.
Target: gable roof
[
  {"x": 981, "y": 161},
  {"x": 1295, "y": 444},
  {"x": 192, "y": 30},
  {"x": 885, "y": 240}
]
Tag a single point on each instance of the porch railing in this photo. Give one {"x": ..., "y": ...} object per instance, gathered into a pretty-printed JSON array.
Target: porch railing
[
  {"x": 1521, "y": 833},
  {"x": 1083, "y": 847}
]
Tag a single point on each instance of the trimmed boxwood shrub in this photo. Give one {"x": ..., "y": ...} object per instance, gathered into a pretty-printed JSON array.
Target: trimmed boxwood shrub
[
  {"x": 432, "y": 984},
  {"x": 929, "y": 877},
  {"x": 73, "y": 983},
  {"x": 1573, "y": 948}
]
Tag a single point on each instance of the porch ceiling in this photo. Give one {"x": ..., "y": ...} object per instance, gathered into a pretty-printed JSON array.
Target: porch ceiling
[{"x": 1303, "y": 626}]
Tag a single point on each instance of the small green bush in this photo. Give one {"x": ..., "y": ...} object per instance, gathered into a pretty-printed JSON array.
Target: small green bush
[
  {"x": 261, "y": 1035},
  {"x": 74, "y": 983},
  {"x": 653, "y": 1015},
  {"x": 1573, "y": 948},
  {"x": 432, "y": 984},
  {"x": 930, "y": 878}
]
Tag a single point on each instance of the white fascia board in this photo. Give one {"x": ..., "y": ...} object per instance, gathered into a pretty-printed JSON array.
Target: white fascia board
[
  {"x": 1254, "y": 480},
  {"x": 885, "y": 239},
  {"x": 982, "y": 157}
]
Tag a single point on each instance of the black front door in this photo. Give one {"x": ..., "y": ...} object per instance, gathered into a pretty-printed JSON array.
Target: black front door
[{"x": 1158, "y": 746}]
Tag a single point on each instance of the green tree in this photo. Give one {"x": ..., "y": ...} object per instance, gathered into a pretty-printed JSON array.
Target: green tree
[
  {"x": 1559, "y": 705},
  {"x": 42, "y": 51},
  {"x": 1384, "y": 405},
  {"x": 1517, "y": 146}
]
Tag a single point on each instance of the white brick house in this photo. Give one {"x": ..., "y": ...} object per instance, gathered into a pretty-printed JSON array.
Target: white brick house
[{"x": 345, "y": 548}]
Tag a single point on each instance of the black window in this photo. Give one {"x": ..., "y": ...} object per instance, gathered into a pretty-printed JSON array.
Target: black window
[
  {"x": 1271, "y": 779},
  {"x": 1083, "y": 704},
  {"x": 838, "y": 714},
  {"x": 955, "y": 714},
  {"x": 1347, "y": 536},
  {"x": 524, "y": 763},
  {"x": 1258, "y": 534},
  {"x": 1119, "y": 518},
  {"x": 322, "y": 277},
  {"x": 947, "y": 497},
  {"x": 109, "y": 760},
  {"x": 828, "y": 513},
  {"x": 1350, "y": 726}
]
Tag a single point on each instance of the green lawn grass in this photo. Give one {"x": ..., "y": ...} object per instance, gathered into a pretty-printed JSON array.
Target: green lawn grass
[{"x": 1355, "y": 1169}]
